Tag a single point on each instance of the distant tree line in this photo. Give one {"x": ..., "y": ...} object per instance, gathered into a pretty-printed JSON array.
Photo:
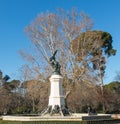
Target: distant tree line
[{"x": 32, "y": 97}]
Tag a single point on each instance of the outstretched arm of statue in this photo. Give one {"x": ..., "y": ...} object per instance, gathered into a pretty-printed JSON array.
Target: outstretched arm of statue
[
  {"x": 53, "y": 56},
  {"x": 54, "y": 53}
]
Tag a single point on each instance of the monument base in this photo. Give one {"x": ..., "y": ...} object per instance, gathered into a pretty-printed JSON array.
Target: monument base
[
  {"x": 56, "y": 111},
  {"x": 56, "y": 104}
]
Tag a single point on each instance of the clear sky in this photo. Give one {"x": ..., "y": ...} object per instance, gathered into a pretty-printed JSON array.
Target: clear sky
[{"x": 16, "y": 14}]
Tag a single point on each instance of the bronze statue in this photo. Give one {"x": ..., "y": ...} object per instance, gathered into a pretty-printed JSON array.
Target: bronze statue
[{"x": 55, "y": 65}]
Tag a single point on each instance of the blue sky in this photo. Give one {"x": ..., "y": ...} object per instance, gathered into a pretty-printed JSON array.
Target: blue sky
[{"x": 16, "y": 14}]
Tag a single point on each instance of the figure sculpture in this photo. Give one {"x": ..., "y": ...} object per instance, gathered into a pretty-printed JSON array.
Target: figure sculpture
[
  {"x": 56, "y": 103},
  {"x": 55, "y": 65}
]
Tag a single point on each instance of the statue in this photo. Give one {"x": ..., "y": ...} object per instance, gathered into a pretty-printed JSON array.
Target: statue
[{"x": 55, "y": 65}]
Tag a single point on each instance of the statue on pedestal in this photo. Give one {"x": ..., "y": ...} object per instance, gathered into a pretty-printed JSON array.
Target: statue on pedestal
[{"x": 56, "y": 105}]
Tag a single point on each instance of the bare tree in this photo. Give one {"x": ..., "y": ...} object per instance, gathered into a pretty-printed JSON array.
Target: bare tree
[
  {"x": 78, "y": 48},
  {"x": 51, "y": 31},
  {"x": 33, "y": 86}
]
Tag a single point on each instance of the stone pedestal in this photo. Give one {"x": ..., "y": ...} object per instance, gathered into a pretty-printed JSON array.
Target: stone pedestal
[
  {"x": 56, "y": 92},
  {"x": 56, "y": 103}
]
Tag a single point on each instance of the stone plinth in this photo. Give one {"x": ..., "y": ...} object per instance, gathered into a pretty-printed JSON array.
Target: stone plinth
[
  {"x": 56, "y": 91},
  {"x": 56, "y": 105}
]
